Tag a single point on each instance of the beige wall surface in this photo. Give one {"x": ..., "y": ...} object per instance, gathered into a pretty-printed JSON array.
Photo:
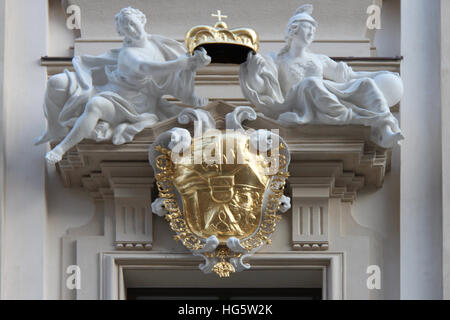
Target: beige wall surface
[
  {"x": 60, "y": 38},
  {"x": 341, "y": 21},
  {"x": 2, "y": 137},
  {"x": 387, "y": 39},
  {"x": 421, "y": 161},
  {"x": 269, "y": 18},
  {"x": 25, "y": 197},
  {"x": 445, "y": 101}
]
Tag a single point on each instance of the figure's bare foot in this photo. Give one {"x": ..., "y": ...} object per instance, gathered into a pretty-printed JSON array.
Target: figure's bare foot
[
  {"x": 102, "y": 131},
  {"x": 54, "y": 156},
  {"x": 387, "y": 138}
]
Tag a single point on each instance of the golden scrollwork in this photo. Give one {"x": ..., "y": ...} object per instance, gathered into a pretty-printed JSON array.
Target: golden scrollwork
[{"x": 224, "y": 268}]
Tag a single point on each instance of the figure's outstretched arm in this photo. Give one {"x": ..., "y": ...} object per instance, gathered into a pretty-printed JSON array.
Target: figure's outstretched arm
[
  {"x": 368, "y": 74},
  {"x": 341, "y": 72},
  {"x": 143, "y": 66},
  {"x": 184, "y": 62},
  {"x": 336, "y": 71}
]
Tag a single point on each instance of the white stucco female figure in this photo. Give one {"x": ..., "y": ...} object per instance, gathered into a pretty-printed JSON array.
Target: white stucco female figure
[
  {"x": 118, "y": 94},
  {"x": 290, "y": 86}
]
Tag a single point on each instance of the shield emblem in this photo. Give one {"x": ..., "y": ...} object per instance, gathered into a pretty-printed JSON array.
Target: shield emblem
[
  {"x": 222, "y": 210},
  {"x": 223, "y": 200}
]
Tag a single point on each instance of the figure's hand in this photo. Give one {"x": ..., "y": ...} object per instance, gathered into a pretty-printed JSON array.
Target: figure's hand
[
  {"x": 255, "y": 62},
  {"x": 199, "y": 60},
  {"x": 251, "y": 57},
  {"x": 255, "y": 58}
]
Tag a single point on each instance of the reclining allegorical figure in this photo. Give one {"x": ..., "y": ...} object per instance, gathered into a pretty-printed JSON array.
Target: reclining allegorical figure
[
  {"x": 118, "y": 94},
  {"x": 290, "y": 86}
]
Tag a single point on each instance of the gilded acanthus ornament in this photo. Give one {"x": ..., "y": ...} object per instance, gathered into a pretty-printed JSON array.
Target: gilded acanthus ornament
[{"x": 221, "y": 190}]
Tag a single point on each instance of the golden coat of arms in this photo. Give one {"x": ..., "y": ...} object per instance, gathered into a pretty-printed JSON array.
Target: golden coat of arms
[{"x": 220, "y": 190}]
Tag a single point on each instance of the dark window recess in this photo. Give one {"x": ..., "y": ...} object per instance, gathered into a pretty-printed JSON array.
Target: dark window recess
[
  {"x": 224, "y": 294},
  {"x": 226, "y": 53}
]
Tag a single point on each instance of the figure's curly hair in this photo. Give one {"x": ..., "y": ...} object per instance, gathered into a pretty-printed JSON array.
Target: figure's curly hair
[
  {"x": 291, "y": 31},
  {"x": 123, "y": 16}
]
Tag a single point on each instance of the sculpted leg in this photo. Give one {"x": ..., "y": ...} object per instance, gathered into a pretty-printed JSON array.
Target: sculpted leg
[
  {"x": 56, "y": 96},
  {"x": 97, "y": 108},
  {"x": 314, "y": 103},
  {"x": 327, "y": 107},
  {"x": 388, "y": 135}
]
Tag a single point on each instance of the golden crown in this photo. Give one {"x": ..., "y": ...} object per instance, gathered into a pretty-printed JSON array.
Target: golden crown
[{"x": 221, "y": 44}]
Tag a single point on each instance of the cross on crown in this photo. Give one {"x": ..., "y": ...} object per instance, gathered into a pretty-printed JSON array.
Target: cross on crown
[{"x": 219, "y": 15}]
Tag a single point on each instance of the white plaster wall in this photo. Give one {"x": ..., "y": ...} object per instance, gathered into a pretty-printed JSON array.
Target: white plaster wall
[
  {"x": 34, "y": 266},
  {"x": 367, "y": 232},
  {"x": 60, "y": 38},
  {"x": 25, "y": 208},
  {"x": 379, "y": 211},
  {"x": 387, "y": 39},
  {"x": 2, "y": 136},
  {"x": 421, "y": 174},
  {"x": 269, "y": 18},
  {"x": 67, "y": 209}
]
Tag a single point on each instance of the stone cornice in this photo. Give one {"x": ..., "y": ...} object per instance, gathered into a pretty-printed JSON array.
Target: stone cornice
[
  {"x": 226, "y": 73},
  {"x": 339, "y": 157}
]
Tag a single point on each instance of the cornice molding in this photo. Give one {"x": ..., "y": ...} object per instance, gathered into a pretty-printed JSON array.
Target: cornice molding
[{"x": 341, "y": 157}]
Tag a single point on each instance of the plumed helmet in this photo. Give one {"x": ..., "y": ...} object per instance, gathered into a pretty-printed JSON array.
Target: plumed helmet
[{"x": 303, "y": 13}]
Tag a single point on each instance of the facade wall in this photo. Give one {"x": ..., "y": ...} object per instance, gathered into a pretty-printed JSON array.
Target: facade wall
[
  {"x": 60, "y": 39},
  {"x": 24, "y": 178},
  {"x": 2, "y": 136},
  {"x": 445, "y": 120},
  {"x": 58, "y": 226},
  {"x": 387, "y": 39},
  {"x": 421, "y": 171}
]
